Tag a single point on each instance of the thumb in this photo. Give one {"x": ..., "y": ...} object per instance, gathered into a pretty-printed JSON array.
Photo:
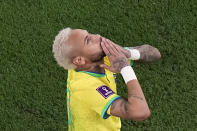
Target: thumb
[{"x": 104, "y": 66}]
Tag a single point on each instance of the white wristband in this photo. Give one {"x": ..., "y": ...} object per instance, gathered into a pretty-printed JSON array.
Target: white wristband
[
  {"x": 135, "y": 54},
  {"x": 128, "y": 74}
]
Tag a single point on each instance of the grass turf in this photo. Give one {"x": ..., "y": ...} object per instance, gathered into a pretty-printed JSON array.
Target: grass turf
[{"x": 32, "y": 86}]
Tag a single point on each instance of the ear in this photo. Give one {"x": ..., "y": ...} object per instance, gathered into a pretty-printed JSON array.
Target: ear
[{"x": 79, "y": 60}]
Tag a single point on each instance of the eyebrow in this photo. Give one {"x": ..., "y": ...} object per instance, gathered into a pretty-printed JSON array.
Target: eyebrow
[{"x": 85, "y": 39}]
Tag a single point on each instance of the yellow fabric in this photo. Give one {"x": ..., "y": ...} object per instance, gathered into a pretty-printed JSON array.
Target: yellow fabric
[{"x": 88, "y": 110}]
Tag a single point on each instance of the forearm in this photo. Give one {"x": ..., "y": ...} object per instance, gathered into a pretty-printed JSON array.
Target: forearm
[
  {"x": 135, "y": 93},
  {"x": 147, "y": 53},
  {"x": 135, "y": 106}
]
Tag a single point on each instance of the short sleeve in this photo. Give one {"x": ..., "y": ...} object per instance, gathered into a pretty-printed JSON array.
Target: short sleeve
[
  {"x": 99, "y": 99},
  {"x": 106, "y": 109},
  {"x": 105, "y": 96}
]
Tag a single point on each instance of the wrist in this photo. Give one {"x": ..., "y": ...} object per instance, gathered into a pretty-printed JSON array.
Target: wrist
[
  {"x": 128, "y": 74},
  {"x": 134, "y": 54}
]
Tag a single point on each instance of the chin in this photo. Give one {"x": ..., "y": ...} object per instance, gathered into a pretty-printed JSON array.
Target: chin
[{"x": 98, "y": 58}]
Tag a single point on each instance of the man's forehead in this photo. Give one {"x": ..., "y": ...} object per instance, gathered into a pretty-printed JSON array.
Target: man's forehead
[
  {"x": 78, "y": 31},
  {"x": 77, "y": 36}
]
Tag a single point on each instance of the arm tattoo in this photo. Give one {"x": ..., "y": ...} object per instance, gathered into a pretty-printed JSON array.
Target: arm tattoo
[
  {"x": 120, "y": 63},
  {"x": 124, "y": 104},
  {"x": 121, "y": 103},
  {"x": 120, "y": 107},
  {"x": 135, "y": 96},
  {"x": 147, "y": 53}
]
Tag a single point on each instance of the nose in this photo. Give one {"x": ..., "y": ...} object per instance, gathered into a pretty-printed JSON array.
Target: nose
[{"x": 96, "y": 37}]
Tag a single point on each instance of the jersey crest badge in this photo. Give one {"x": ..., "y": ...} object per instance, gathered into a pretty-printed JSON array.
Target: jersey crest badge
[{"x": 105, "y": 91}]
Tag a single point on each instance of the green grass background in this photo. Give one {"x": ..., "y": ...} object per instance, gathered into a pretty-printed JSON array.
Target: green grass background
[{"x": 33, "y": 87}]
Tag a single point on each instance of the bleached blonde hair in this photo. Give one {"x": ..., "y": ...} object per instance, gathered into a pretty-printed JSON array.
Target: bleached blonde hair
[{"x": 62, "y": 50}]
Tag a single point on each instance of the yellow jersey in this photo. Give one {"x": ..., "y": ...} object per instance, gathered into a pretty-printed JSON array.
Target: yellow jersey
[{"x": 89, "y": 98}]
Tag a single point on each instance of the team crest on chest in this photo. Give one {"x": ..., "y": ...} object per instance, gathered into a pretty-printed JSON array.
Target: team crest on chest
[{"x": 105, "y": 91}]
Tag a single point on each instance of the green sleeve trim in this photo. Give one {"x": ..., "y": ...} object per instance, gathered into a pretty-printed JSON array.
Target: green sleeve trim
[{"x": 104, "y": 114}]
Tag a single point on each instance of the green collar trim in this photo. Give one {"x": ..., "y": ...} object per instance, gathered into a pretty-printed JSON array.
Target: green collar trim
[{"x": 95, "y": 74}]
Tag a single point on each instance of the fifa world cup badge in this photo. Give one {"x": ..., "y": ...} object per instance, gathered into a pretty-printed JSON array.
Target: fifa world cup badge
[{"x": 105, "y": 91}]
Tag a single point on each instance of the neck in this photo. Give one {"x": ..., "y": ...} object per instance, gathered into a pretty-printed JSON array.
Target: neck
[{"x": 95, "y": 67}]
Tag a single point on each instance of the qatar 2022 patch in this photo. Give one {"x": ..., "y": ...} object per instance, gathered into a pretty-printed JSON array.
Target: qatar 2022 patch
[{"x": 105, "y": 91}]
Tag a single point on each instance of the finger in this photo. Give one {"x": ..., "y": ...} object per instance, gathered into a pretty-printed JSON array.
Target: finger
[
  {"x": 111, "y": 48},
  {"x": 118, "y": 48},
  {"x": 122, "y": 50},
  {"x": 105, "y": 49},
  {"x": 112, "y": 42},
  {"x": 115, "y": 46}
]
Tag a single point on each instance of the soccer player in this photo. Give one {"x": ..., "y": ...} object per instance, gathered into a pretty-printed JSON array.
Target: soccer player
[{"x": 92, "y": 62}]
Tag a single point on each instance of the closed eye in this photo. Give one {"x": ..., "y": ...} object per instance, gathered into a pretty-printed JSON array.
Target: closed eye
[
  {"x": 88, "y": 40},
  {"x": 85, "y": 39}
]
